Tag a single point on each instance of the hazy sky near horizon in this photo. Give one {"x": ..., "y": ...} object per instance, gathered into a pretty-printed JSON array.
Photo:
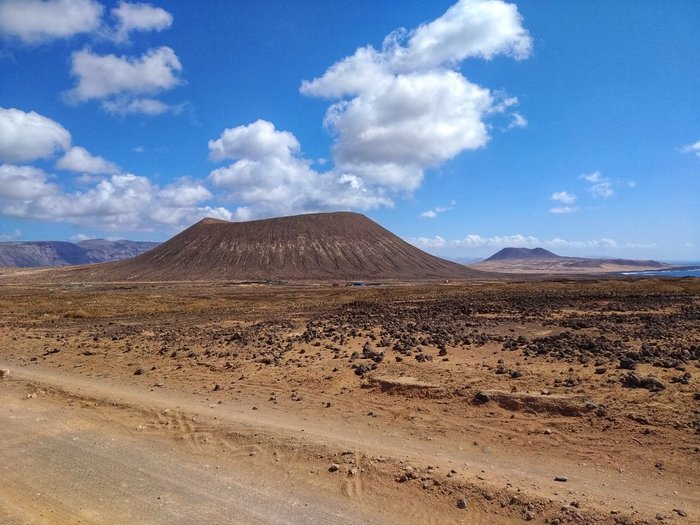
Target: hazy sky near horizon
[{"x": 462, "y": 127}]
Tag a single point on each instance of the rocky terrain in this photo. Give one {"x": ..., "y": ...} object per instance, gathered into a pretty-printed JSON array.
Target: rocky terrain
[
  {"x": 34, "y": 254},
  {"x": 544, "y": 401},
  {"x": 539, "y": 260}
]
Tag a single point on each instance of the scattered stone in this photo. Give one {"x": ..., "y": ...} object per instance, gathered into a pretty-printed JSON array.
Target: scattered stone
[
  {"x": 683, "y": 379},
  {"x": 681, "y": 513},
  {"x": 4, "y": 372},
  {"x": 627, "y": 363},
  {"x": 462, "y": 503},
  {"x": 334, "y": 467},
  {"x": 632, "y": 380},
  {"x": 563, "y": 479},
  {"x": 138, "y": 371},
  {"x": 482, "y": 397},
  {"x": 217, "y": 387},
  {"x": 361, "y": 370}
]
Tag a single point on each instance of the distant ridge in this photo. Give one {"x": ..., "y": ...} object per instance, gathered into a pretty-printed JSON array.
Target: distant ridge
[
  {"x": 522, "y": 253},
  {"x": 319, "y": 246},
  {"x": 35, "y": 254},
  {"x": 539, "y": 260}
]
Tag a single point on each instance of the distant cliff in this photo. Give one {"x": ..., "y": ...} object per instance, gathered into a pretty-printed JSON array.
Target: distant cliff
[{"x": 34, "y": 254}]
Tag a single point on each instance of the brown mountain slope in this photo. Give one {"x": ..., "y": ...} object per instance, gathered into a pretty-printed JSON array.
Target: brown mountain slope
[{"x": 321, "y": 246}]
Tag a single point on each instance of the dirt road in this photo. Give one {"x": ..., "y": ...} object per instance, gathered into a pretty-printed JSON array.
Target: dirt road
[
  {"x": 80, "y": 451},
  {"x": 249, "y": 405},
  {"x": 76, "y": 450}
]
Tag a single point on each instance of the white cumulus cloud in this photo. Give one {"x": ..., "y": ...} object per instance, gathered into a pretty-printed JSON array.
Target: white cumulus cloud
[
  {"x": 692, "y": 148},
  {"x": 429, "y": 242},
  {"x": 558, "y": 210},
  {"x": 434, "y": 212},
  {"x": 405, "y": 108},
  {"x": 130, "y": 106},
  {"x": 40, "y": 21},
  {"x": 257, "y": 141},
  {"x": 119, "y": 81},
  {"x": 599, "y": 186},
  {"x": 518, "y": 121},
  {"x": 470, "y": 28},
  {"x": 139, "y": 17},
  {"x": 80, "y": 160},
  {"x": 121, "y": 202},
  {"x": 185, "y": 193},
  {"x": 603, "y": 190},
  {"x": 269, "y": 177},
  {"x": 36, "y": 21},
  {"x": 475, "y": 241},
  {"x": 23, "y": 183},
  {"x": 523, "y": 241},
  {"x": 29, "y": 136},
  {"x": 78, "y": 237},
  {"x": 564, "y": 197},
  {"x": 100, "y": 76}
]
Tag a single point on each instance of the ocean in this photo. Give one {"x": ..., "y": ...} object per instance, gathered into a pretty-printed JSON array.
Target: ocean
[{"x": 678, "y": 272}]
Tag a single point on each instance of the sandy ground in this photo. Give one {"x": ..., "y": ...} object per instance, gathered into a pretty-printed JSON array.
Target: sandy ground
[
  {"x": 246, "y": 404},
  {"x": 543, "y": 267}
]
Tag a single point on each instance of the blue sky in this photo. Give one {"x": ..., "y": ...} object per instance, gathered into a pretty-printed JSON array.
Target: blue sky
[{"x": 462, "y": 127}]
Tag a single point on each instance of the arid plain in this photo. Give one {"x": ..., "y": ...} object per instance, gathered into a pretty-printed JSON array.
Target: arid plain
[{"x": 551, "y": 401}]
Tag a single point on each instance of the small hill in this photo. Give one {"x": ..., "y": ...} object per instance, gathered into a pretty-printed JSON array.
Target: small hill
[
  {"x": 320, "y": 246},
  {"x": 507, "y": 254},
  {"x": 539, "y": 260},
  {"x": 35, "y": 254}
]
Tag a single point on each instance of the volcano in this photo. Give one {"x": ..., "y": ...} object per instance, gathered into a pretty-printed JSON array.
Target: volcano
[
  {"x": 539, "y": 260},
  {"x": 321, "y": 246},
  {"x": 507, "y": 254}
]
